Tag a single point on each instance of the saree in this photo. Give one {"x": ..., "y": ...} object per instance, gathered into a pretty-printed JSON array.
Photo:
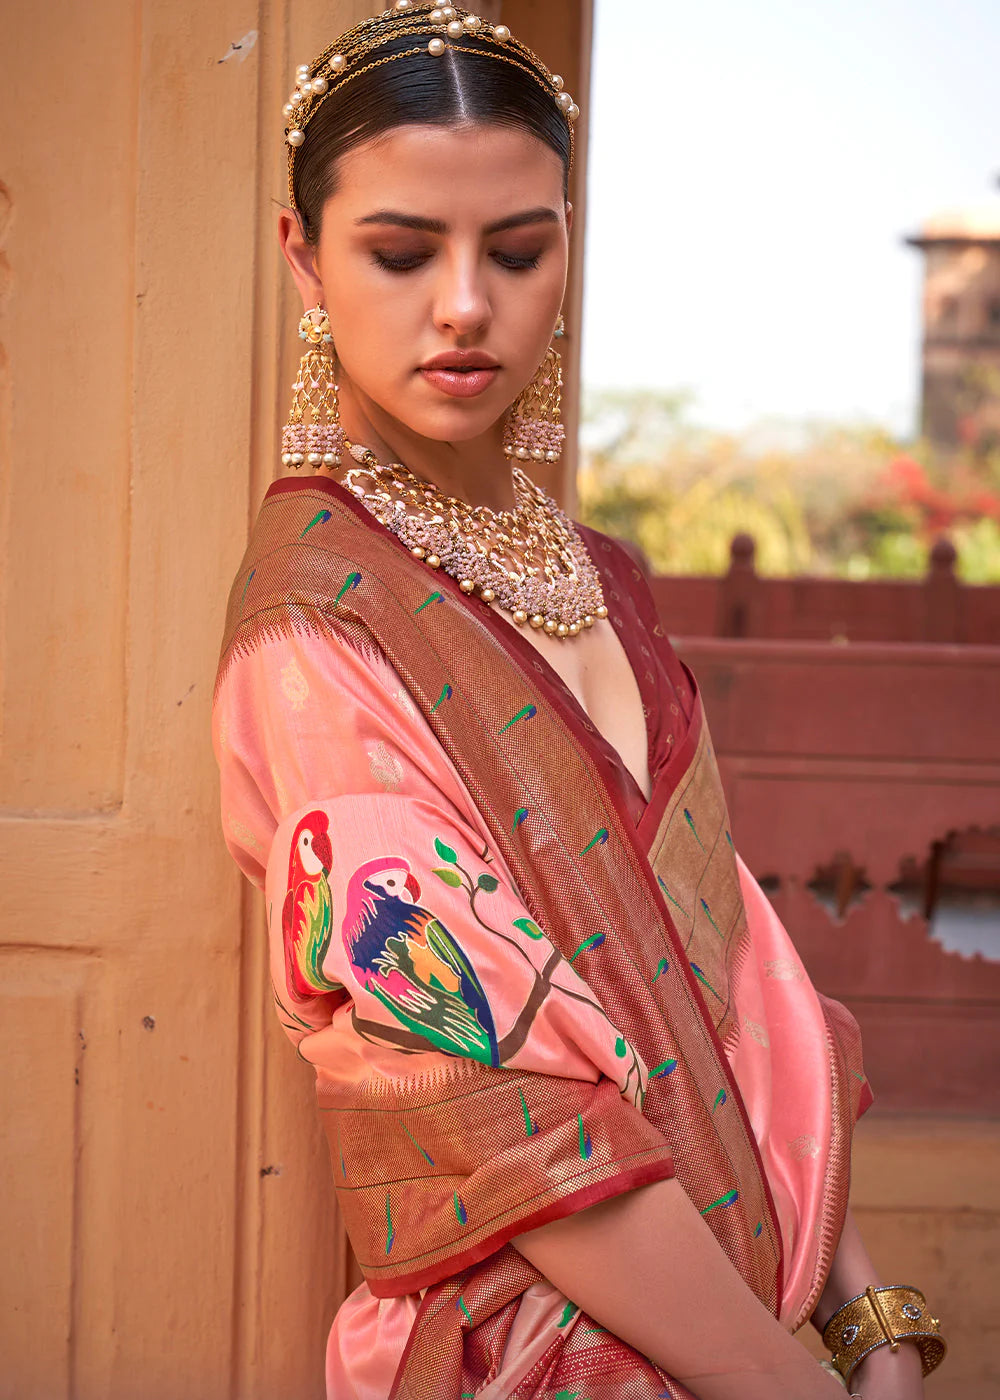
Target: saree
[{"x": 524, "y": 989}]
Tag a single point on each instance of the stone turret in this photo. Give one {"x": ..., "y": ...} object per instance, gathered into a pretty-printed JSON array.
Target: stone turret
[{"x": 961, "y": 345}]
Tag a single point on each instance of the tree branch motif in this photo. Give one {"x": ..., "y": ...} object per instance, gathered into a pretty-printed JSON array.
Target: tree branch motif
[{"x": 456, "y": 876}]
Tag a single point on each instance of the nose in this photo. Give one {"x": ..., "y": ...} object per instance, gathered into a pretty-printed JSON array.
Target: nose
[{"x": 461, "y": 304}]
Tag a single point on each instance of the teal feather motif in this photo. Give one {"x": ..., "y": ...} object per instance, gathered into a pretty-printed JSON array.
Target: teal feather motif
[
  {"x": 351, "y": 581},
  {"x": 446, "y": 694},
  {"x": 694, "y": 830},
  {"x": 390, "y": 1233},
  {"x": 320, "y": 518},
  {"x": 426, "y": 1155},
  {"x": 600, "y": 839},
  {"x": 461, "y": 1214},
  {"x": 661, "y": 1071},
  {"x": 661, "y": 967},
  {"x": 520, "y": 816},
  {"x": 431, "y": 598},
  {"x": 460, "y": 1304},
  {"x": 529, "y": 712},
  {"x": 708, "y": 915},
  {"x": 727, "y": 1200},
  {"x": 704, "y": 980},
  {"x": 673, "y": 901},
  {"x": 586, "y": 1146},
  {"x": 594, "y": 941},
  {"x": 530, "y": 1126}
]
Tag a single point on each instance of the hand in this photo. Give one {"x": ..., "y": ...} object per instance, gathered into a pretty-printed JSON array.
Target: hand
[{"x": 888, "y": 1375}]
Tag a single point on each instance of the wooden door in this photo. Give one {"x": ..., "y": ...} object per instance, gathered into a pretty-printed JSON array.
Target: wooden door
[{"x": 167, "y": 1212}]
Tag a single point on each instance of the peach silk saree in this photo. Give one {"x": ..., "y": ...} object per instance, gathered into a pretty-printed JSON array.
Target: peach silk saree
[{"x": 524, "y": 989}]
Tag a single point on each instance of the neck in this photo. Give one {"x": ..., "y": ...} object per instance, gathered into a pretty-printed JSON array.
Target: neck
[{"x": 476, "y": 471}]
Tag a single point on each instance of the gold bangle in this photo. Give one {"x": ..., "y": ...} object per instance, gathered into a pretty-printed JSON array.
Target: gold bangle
[{"x": 881, "y": 1317}]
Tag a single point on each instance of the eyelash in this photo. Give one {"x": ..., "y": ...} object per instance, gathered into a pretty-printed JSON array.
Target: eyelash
[{"x": 410, "y": 264}]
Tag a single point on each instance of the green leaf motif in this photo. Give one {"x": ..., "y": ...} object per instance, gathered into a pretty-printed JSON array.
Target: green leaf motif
[
  {"x": 450, "y": 878},
  {"x": 489, "y": 883},
  {"x": 445, "y": 852},
  {"x": 529, "y": 927},
  {"x": 620, "y": 1047}
]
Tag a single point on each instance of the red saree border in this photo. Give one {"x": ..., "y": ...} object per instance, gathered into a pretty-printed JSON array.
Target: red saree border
[
  {"x": 538, "y": 680},
  {"x": 581, "y": 1199}
]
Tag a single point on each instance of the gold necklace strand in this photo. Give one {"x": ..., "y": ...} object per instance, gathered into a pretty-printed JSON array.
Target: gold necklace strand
[{"x": 530, "y": 561}]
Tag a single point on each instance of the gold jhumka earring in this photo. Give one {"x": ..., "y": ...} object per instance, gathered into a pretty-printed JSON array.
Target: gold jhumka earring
[
  {"x": 313, "y": 434},
  {"x": 534, "y": 430}
]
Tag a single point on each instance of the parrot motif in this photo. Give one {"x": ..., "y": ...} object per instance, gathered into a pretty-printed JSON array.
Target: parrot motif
[
  {"x": 405, "y": 956},
  {"x": 307, "y": 914}
]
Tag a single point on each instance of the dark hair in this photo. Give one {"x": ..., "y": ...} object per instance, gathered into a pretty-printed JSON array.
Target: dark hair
[{"x": 456, "y": 89}]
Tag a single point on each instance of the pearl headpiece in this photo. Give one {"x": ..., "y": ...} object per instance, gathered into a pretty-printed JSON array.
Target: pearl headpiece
[{"x": 434, "y": 28}]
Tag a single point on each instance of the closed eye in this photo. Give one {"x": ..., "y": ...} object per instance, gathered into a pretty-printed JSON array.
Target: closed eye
[{"x": 410, "y": 262}]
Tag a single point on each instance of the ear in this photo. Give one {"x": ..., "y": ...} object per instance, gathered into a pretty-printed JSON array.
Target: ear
[
  {"x": 569, "y": 217},
  {"x": 300, "y": 258}
]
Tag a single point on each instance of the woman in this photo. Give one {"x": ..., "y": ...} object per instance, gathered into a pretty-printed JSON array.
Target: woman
[{"x": 589, "y": 1122}]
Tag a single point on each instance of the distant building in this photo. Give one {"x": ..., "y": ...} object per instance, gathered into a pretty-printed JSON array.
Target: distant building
[{"x": 961, "y": 349}]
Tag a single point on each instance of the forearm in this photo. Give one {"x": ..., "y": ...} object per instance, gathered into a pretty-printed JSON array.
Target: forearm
[
  {"x": 883, "y": 1375},
  {"x": 647, "y": 1267}
]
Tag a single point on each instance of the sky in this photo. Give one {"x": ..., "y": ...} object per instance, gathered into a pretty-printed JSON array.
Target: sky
[{"x": 754, "y": 168}]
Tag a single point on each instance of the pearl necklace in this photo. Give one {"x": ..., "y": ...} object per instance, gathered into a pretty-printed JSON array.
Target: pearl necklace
[{"x": 530, "y": 561}]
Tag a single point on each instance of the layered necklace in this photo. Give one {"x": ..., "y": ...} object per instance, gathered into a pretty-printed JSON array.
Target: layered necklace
[{"x": 529, "y": 561}]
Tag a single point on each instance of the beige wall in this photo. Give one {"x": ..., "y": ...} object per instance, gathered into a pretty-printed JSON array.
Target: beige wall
[{"x": 167, "y": 1211}]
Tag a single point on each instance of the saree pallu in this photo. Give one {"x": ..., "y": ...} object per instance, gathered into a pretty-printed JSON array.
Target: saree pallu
[{"x": 524, "y": 990}]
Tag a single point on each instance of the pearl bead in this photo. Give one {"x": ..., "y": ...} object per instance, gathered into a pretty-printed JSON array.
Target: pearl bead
[
  {"x": 501, "y": 34},
  {"x": 448, "y": 11},
  {"x": 433, "y": 561},
  {"x": 286, "y": 459},
  {"x": 456, "y": 29},
  {"x": 338, "y": 63},
  {"x": 402, "y": 5},
  {"x": 295, "y": 99},
  {"x": 487, "y": 595},
  {"x": 508, "y": 451},
  {"x": 418, "y": 552},
  {"x": 602, "y": 612},
  {"x": 436, "y": 47},
  {"x": 320, "y": 86},
  {"x": 315, "y": 459},
  {"x": 287, "y": 110},
  {"x": 437, "y": 17},
  {"x": 562, "y": 630},
  {"x": 552, "y": 456},
  {"x": 572, "y": 112},
  {"x": 522, "y": 454},
  {"x": 473, "y": 23},
  {"x": 295, "y": 138},
  {"x": 564, "y": 102},
  {"x": 297, "y": 459},
  {"x": 305, "y": 88},
  {"x": 520, "y": 617},
  {"x": 537, "y": 621},
  {"x": 588, "y": 621},
  {"x": 330, "y": 459},
  {"x": 302, "y": 71},
  {"x": 550, "y": 625},
  {"x": 537, "y": 455},
  {"x": 574, "y": 629},
  {"x": 466, "y": 585},
  {"x": 557, "y": 82}
]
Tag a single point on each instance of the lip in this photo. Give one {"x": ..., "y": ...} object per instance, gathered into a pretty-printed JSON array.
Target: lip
[
  {"x": 461, "y": 383},
  {"x": 461, "y": 359}
]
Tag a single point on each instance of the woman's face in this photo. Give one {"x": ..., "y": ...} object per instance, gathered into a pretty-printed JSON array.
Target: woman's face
[{"x": 442, "y": 264}]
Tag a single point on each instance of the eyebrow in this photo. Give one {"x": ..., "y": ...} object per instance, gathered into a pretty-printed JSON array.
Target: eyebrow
[{"x": 542, "y": 215}]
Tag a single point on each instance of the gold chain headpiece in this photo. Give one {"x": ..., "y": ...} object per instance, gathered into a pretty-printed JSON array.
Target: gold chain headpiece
[{"x": 434, "y": 28}]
